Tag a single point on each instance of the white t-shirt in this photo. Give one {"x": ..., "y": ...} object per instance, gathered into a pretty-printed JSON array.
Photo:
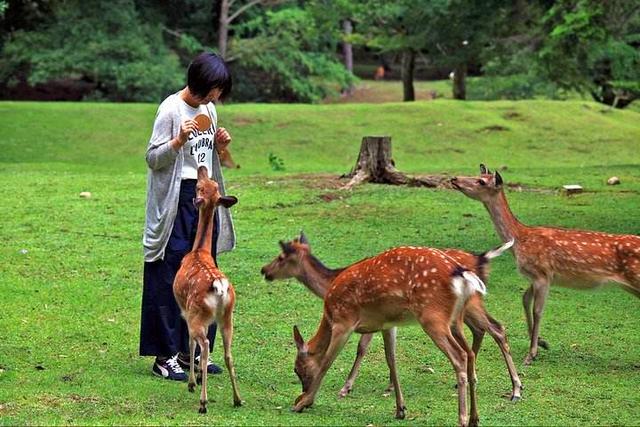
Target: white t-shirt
[{"x": 198, "y": 150}]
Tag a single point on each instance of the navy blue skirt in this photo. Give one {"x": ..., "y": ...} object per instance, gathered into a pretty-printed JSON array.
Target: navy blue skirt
[{"x": 163, "y": 331}]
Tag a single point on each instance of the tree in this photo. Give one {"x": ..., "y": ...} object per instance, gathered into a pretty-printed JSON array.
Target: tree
[
  {"x": 109, "y": 48},
  {"x": 285, "y": 54},
  {"x": 592, "y": 46},
  {"x": 228, "y": 14},
  {"x": 449, "y": 33}
]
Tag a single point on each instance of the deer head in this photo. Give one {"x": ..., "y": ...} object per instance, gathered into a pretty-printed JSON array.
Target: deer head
[
  {"x": 208, "y": 192},
  {"x": 484, "y": 187},
  {"x": 306, "y": 368},
  {"x": 289, "y": 262}
]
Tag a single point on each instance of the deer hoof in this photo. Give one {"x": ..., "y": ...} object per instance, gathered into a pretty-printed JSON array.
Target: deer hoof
[
  {"x": 400, "y": 413},
  {"x": 515, "y": 398},
  {"x": 203, "y": 409},
  {"x": 191, "y": 387},
  {"x": 343, "y": 392},
  {"x": 474, "y": 421},
  {"x": 529, "y": 359},
  {"x": 237, "y": 403}
]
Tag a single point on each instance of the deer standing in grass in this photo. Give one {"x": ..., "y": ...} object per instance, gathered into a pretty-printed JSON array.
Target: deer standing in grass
[
  {"x": 399, "y": 286},
  {"x": 203, "y": 292},
  {"x": 545, "y": 255},
  {"x": 296, "y": 260}
]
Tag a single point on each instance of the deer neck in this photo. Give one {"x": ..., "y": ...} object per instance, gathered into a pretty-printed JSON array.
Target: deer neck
[
  {"x": 507, "y": 225},
  {"x": 315, "y": 276},
  {"x": 205, "y": 229},
  {"x": 319, "y": 343}
]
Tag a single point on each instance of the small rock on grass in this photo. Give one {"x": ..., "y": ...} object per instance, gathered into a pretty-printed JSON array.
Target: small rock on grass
[{"x": 614, "y": 180}]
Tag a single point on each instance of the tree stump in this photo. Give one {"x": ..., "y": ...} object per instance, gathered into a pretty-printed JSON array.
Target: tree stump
[{"x": 376, "y": 165}]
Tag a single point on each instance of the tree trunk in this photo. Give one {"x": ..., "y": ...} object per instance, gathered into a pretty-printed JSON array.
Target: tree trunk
[
  {"x": 347, "y": 50},
  {"x": 459, "y": 82},
  {"x": 375, "y": 164},
  {"x": 223, "y": 28},
  {"x": 408, "y": 65}
]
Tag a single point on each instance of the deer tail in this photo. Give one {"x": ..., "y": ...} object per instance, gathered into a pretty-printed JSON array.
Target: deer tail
[
  {"x": 465, "y": 283},
  {"x": 496, "y": 252}
]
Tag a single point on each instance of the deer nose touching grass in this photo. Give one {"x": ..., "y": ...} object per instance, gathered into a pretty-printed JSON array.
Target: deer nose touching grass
[
  {"x": 203, "y": 292},
  {"x": 554, "y": 256},
  {"x": 296, "y": 260},
  {"x": 397, "y": 287}
]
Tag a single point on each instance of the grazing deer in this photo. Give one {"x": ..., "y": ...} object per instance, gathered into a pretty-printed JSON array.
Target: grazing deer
[
  {"x": 203, "y": 292},
  {"x": 296, "y": 260},
  {"x": 399, "y": 286},
  {"x": 558, "y": 256}
]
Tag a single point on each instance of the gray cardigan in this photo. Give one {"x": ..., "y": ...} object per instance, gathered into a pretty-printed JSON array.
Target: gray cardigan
[{"x": 163, "y": 181}]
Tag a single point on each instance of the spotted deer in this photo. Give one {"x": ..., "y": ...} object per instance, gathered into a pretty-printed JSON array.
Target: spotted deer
[
  {"x": 400, "y": 286},
  {"x": 554, "y": 256},
  {"x": 296, "y": 260},
  {"x": 203, "y": 292}
]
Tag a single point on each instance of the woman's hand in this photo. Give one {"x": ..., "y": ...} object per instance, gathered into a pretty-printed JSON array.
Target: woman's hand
[
  {"x": 186, "y": 128},
  {"x": 222, "y": 138}
]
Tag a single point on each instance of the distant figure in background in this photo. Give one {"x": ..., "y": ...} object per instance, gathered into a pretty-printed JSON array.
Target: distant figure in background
[
  {"x": 379, "y": 74},
  {"x": 177, "y": 147}
]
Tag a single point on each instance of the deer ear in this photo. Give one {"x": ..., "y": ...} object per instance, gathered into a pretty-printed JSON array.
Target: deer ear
[
  {"x": 286, "y": 247},
  {"x": 497, "y": 179},
  {"x": 303, "y": 238},
  {"x": 297, "y": 337},
  {"x": 483, "y": 169},
  {"x": 228, "y": 201}
]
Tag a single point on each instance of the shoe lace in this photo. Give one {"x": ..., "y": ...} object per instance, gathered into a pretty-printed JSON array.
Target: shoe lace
[{"x": 174, "y": 365}]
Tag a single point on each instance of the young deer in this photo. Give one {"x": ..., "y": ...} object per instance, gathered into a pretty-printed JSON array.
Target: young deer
[
  {"x": 399, "y": 286},
  {"x": 546, "y": 256},
  {"x": 296, "y": 260},
  {"x": 203, "y": 292}
]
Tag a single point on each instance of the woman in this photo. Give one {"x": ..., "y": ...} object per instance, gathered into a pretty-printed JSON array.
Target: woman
[{"x": 177, "y": 147}]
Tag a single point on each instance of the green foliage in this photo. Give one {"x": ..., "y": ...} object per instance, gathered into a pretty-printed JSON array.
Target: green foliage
[
  {"x": 280, "y": 56},
  {"x": 277, "y": 164},
  {"x": 110, "y": 47},
  {"x": 71, "y": 302},
  {"x": 513, "y": 86},
  {"x": 591, "y": 46}
]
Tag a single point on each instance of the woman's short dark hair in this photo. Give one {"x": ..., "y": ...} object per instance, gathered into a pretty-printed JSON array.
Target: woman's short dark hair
[{"x": 208, "y": 71}]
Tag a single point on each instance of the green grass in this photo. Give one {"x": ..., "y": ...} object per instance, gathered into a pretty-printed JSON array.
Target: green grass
[{"x": 70, "y": 268}]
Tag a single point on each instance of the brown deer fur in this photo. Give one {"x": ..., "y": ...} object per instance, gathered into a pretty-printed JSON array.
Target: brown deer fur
[
  {"x": 546, "y": 255},
  {"x": 399, "y": 286},
  {"x": 296, "y": 260},
  {"x": 203, "y": 292}
]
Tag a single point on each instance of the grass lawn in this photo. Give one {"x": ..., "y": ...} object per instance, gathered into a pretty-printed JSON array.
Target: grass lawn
[{"x": 70, "y": 268}]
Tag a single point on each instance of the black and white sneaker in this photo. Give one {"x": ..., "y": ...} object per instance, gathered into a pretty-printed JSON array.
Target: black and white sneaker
[
  {"x": 169, "y": 369},
  {"x": 212, "y": 368}
]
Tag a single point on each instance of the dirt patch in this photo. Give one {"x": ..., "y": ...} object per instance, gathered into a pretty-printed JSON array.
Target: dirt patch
[
  {"x": 245, "y": 121},
  {"x": 513, "y": 115},
  {"x": 494, "y": 128}
]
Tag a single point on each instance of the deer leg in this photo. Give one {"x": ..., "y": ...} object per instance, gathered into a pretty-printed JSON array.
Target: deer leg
[
  {"x": 192, "y": 355},
  {"x": 496, "y": 330},
  {"x": 540, "y": 292},
  {"x": 226, "y": 327},
  {"x": 389, "y": 337},
  {"x": 339, "y": 336},
  {"x": 458, "y": 358},
  {"x": 203, "y": 342},
  {"x": 456, "y": 331},
  {"x": 527, "y": 299},
  {"x": 363, "y": 345},
  {"x": 477, "y": 330}
]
